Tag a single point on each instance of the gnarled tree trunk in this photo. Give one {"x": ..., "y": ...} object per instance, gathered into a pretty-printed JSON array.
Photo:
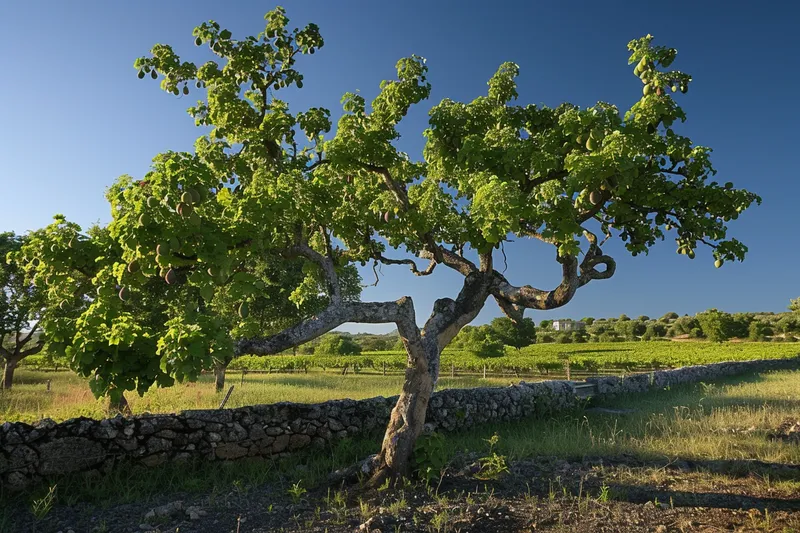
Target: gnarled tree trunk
[
  {"x": 407, "y": 420},
  {"x": 424, "y": 349},
  {"x": 219, "y": 376}
]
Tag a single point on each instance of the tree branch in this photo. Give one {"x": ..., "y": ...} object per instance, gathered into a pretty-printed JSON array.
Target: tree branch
[
  {"x": 31, "y": 351},
  {"x": 452, "y": 260},
  {"x": 532, "y": 298},
  {"x": 410, "y": 262},
  {"x": 513, "y": 311},
  {"x": 528, "y": 186},
  {"x": 27, "y": 337},
  {"x": 302, "y": 248},
  {"x": 332, "y": 317}
]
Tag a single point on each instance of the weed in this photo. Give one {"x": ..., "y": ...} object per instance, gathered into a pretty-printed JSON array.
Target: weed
[
  {"x": 397, "y": 506},
  {"x": 365, "y": 509},
  {"x": 439, "y": 521},
  {"x": 297, "y": 491},
  {"x": 603, "y": 497},
  {"x": 41, "y": 507},
  {"x": 431, "y": 456},
  {"x": 493, "y": 465}
]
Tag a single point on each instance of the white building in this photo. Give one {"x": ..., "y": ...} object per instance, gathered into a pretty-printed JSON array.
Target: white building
[{"x": 567, "y": 325}]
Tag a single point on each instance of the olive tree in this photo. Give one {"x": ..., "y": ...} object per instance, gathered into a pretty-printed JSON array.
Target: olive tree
[
  {"x": 267, "y": 182},
  {"x": 518, "y": 333}
]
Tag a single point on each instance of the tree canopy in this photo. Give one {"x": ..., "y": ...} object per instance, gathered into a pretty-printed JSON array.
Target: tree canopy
[{"x": 21, "y": 309}]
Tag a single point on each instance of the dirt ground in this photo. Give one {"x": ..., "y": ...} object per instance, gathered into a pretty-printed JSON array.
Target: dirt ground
[{"x": 539, "y": 494}]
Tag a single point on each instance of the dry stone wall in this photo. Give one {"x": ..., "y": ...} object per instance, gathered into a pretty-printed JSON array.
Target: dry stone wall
[{"x": 30, "y": 453}]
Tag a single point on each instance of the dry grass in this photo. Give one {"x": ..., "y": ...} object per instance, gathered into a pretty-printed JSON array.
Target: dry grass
[
  {"x": 730, "y": 420},
  {"x": 70, "y": 396}
]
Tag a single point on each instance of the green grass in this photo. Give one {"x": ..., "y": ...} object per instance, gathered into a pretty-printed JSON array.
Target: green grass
[
  {"x": 549, "y": 357},
  {"x": 70, "y": 397},
  {"x": 728, "y": 420}
]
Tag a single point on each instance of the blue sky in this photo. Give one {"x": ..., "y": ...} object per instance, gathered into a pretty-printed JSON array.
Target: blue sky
[{"x": 75, "y": 116}]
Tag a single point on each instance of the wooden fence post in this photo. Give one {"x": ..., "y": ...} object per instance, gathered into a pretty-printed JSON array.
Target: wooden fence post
[
  {"x": 484, "y": 371},
  {"x": 566, "y": 364},
  {"x": 243, "y": 373},
  {"x": 452, "y": 370},
  {"x": 48, "y": 385},
  {"x": 225, "y": 400},
  {"x": 384, "y": 368}
]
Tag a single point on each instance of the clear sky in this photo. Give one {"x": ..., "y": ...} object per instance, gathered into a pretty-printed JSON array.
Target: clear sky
[{"x": 75, "y": 116}]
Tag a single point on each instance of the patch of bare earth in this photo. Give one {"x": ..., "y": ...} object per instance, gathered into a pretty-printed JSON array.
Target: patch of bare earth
[{"x": 541, "y": 494}]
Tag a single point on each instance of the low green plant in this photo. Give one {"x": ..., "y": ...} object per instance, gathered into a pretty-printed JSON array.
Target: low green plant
[
  {"x": 439, "y": 521},
  {"x": 41, "y": 507},
  {"x": 603, "y": 497},
  {"x": 431, "y": 456},
  {"x": 397, "y": 506},
  {"x": 493, "y": 465},
  {"x": 297, "y": 491}
]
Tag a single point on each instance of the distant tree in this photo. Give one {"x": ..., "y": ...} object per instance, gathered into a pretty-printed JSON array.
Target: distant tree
[
  {"x": 375, "y": 343},
  {"x": 479, "y": 340},
  {"x": 21, "y": 308},
  {"x": 630, "y": 329},
  {"x": 517, "y": 335},
  {"x": 623, "y": 317},
  {"x": 597, "y": 328},
  {"x": 643, "y": 318},
  {"x": 564, "y": 338},
  {"x": 654, "y": 330},
  {"x": 684, "y": 325},
  {"x": 587, "y": 320},
  {"x": 669, "y": 316},
  {"x": 696, "y": 333},
  {"x": 739, "y": 326},
  {"x": 306, "y": 349},
  {"x": 545, "y": 324},
  {"x": 545, "y": 338},
  {"x": 609, "y": 336},
  {"x": 580, "y": 335},
  {"x": 716, "y": 325},
  {"x": 335, "y": 344},
  {"x": 759, "y": 331},
  {"x": 794, "y": 305},
  {"x": 788, "y": 323}
]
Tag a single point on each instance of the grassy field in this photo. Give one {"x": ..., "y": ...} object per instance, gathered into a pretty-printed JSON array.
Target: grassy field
[
  {"x": 70, "y": 396},
  {"x": 539, "y": 358},
  {"x": 697, "y": 450}
]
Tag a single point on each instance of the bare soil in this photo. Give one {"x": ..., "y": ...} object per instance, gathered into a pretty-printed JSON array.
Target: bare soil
[{"x": 541, "y": 494}]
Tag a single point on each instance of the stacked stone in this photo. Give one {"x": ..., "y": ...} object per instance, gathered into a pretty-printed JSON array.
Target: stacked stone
[{"x": 30, "y": 453}]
